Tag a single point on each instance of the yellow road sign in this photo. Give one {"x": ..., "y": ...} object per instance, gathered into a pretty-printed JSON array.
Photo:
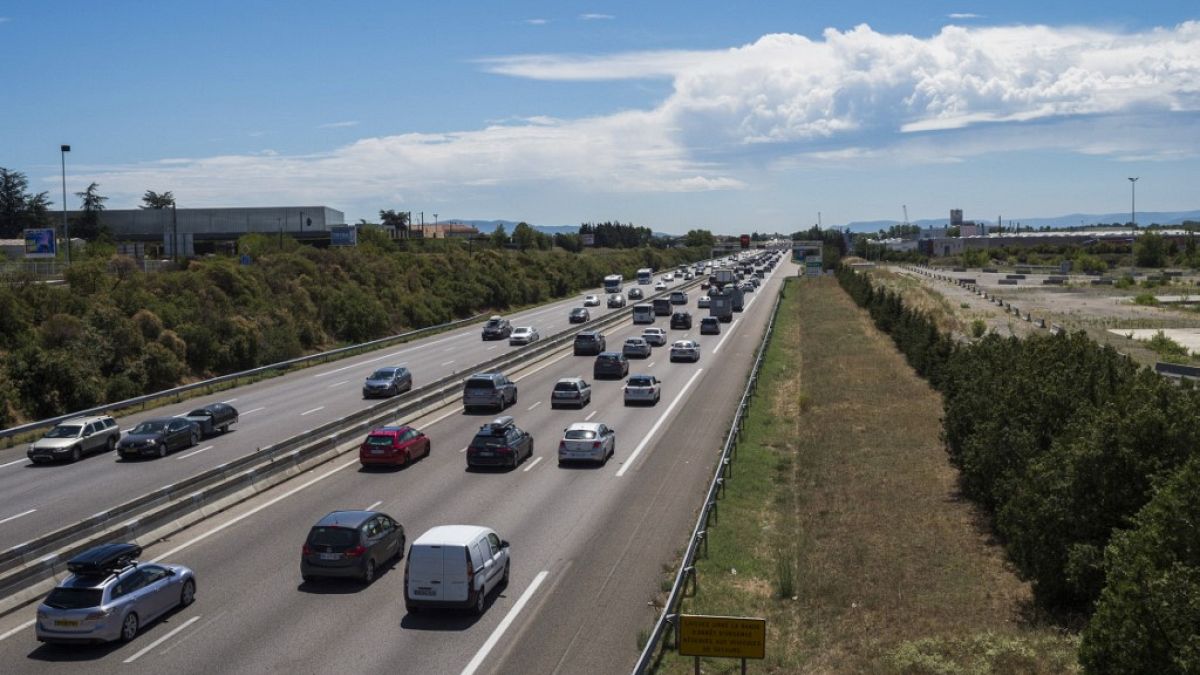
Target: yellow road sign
[{"x": 728, "y": 636}]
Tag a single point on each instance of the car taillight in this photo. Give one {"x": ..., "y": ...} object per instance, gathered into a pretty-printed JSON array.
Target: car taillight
[
  {"x": 562, "y": 445},
  {"x": 505, "y": 450},
  {"x": 97, "y": 615},
  {"x": 306, "y": 550},
  {"x": 356, "y": 551},
  {"x": 595, "y": 445},
  {"x": 470, "y": 570}
]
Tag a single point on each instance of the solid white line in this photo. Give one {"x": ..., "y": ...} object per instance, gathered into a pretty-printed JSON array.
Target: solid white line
[
  {"x": 726, "y": 335},
  {"x": 651, "y": 364},
  {"x": 23, "y": 513},
  {"x": 358, "y": 364},
  {"x": 337, "y": 384},
  {"x": 16, "y": 630},
  {"x": 15, "y": 461},
  {"x": 229, "y": 401},
  {"x": 448, "y": 362},
  {"x": 492, "y": 347},
  {"x": 654, "y": 429},
  {"x": 372, "y": 507},
  {"x": 590, "y": 415},
  {"x": 534, "y": 406},
  {"x": 162, "y": 639},
  {"x": 464, "y": 449},
  {"x": 199, "y": 538},
  {"x": 251, "y": 411},
  {"x": 504, "y": 624},
  {"x": 309, "y": 412},
  {"x": 449, "y": 349},
  {"x": 195, "y": 452},
  {"x": 533, "y": 464}
]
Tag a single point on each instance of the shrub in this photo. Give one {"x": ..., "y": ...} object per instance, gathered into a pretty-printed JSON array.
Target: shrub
[{"x": 978, "y": 328}]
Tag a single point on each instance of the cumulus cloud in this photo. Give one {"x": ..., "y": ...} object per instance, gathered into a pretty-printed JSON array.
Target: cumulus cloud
[{"x": 596, "y": 17}]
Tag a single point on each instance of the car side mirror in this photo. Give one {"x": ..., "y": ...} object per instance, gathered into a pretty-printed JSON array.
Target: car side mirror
[
  {"x": 170, "y": 572},
  {"x": 503, "y": 543}
]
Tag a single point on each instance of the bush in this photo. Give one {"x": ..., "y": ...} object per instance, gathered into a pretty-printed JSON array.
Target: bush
[{"x": 978, "y": 328}]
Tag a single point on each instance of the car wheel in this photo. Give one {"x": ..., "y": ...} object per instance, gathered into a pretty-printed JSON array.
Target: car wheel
[
  {"x": 368, "y": 574},
  {"x": 129, "y": 627},
  {"x": 188, "y": 595},
  {"x": 224, "y": 428},
  {"x": 112, "y": 444},
  {"x": 76, "y": 454},
  {"x": 407, "y": 458},
  {"x": 162, "y": 449},
  {"x": 504, "y": 579},
  {"x": 195, "y": 439},
  {"x": 480, "y": 601}
]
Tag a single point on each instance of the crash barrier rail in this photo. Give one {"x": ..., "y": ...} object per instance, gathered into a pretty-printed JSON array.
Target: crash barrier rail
[
  {"x": 669, "y": 618},
  {"x": 10, "y": 433},
  {"x": 25, "y": 566}
]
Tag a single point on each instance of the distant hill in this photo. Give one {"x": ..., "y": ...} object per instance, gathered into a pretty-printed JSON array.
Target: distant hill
[
  {"x": 489, "y": 226},
  {"x": 1057, "y": 222}
]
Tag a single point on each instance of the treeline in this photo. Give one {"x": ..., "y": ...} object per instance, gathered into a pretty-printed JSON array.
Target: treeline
[
  {"x": 1090, "y": 469},
  {"x": 114, "y": 332},
  {"x": 618, "y": 235}
]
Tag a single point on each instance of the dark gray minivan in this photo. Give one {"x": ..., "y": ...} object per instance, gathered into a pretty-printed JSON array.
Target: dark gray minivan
[{"x": 489, "y": 390}]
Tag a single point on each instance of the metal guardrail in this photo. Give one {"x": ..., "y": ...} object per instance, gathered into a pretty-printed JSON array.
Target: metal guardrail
[
  {"x": 233, "y": 377},
  {"x": 687, "y": 570}
]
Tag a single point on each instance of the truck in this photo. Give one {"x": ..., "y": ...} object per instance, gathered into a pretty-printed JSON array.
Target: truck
[
  {"x": 662, "y": 307},
  {"x": 720, "y": 305},
  {"x": 613, "y": 283}
]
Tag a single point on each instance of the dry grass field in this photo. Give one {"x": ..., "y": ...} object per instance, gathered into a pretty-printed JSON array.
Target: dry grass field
[{"x": 843, "y": 525}]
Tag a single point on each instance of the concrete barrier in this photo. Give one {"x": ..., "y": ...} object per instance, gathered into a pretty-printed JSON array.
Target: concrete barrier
[
  {"x": 1040, "y": 323},
  {"x": 1102, "y": 282},
  {"x": 1056, "y": 329},
  {"x": 1014, "y": 276},
  {"x": 1052, "y": 282},
  {"x": 1008, "y": 282}
]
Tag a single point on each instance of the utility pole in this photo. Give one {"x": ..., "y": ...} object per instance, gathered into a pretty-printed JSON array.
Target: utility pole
[
  {"x": 63, "y": 150},
  {"x": 175, "y": 234},
  {"x": 1133, "y": 201},
  {"x": 905, "y": 207},
  {"x": 818, "y": 220}
]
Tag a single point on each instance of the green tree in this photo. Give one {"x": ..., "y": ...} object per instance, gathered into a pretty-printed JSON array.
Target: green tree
[
  {"x": 1150, "y": 250},
  {"x": 499, "y": 237},
  {"x": 157, "y": 200},
  {"x": 523, "y": 236},
  {"x": 20, "y": 209},
  {"x": 396, "y": 220},
  {"x": 88, "y": 226},
  {"x": 702, "y": 238}
]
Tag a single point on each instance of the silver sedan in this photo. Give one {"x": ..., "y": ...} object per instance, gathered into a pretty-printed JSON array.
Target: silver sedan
[{"x": 115, "y": 606}]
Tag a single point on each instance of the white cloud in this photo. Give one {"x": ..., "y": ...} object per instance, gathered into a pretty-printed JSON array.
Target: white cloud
[
  {"x": 575, "y": 68},
  {"x": 536, "y": 22},
  {"x": 338, "y": 125},
  {"x": 964, "y": 15},
  {"x": 596, "y": 17}
]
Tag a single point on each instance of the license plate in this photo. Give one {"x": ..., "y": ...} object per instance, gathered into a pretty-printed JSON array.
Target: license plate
[
  {"x": 485, "y": 453},
  {"x": 377, "y": 451},
  {"x": 66, "y": 624},
  {"x": 423, "y": 591},
  {"x": 331, "y": 556}
]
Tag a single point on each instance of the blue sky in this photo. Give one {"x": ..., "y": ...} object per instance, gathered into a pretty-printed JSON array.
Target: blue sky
[{"x": 730, "y": 116}]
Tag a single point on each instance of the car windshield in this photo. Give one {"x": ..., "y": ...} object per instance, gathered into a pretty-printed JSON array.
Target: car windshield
[
  {"x": 640, "y": 382},
  {"x": 381, "y": 374},
  {"x": 634, "y": 341},
  {"x": 64, "y": 431},
  {"x": 580, "y": 435},
  {"x": 564, "y": 386},
  {"x": 486, "y": 439},
  {"x": 379, "y": 440},
  {"x": 492, "y": 323},
  {"x": 152, "y": 427},
  {"x": 74, "y": 598},
  {"x": 334, "y": 537},
  {"x": 579, "y": 310},
  {"x": 199, "y": 412},
  {"x": 608, "y": 357},
  {"x": 480, "y": 383}
]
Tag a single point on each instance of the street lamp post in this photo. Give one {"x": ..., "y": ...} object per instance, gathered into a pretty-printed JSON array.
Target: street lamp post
[
  {"x": 435, "y": 225},
  {"x": 63, "y": 150},
  {"x": 1133, "y": 200}
]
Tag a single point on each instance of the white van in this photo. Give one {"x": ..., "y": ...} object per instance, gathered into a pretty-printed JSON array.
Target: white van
[
  {"x": 454, "y": 566},
  {"x": 643, "y": 313}
]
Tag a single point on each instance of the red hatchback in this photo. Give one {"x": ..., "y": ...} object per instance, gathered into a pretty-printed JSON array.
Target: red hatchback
[{"x": 393, "y": 446}]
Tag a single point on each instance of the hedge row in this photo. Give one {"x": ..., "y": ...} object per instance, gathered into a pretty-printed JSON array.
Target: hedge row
[
  {"x": 1089, "y": 467},
  {"x": 107, "y": 337}
]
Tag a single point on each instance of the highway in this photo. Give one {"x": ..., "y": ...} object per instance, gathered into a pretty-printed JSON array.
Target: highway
[
  {"x": 41, "y": 498},
  {"x": 588, "y": 544}
]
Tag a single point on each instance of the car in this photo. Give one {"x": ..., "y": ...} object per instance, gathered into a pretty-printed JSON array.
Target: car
[
  {"x": 74, "y": 438},
  {"x": 681, "y": 321},
  {"x": 747, "y": 287},
  {"x": 588, "y": 343},
  {"x": 668, "y": 277},
  {"x": 655, "y": 336},
  {"x": 214, "y": 418},
  {"x": 688, "y": 276},
  {"x": 523, "y": 335},
  {"x": 660, "y": 286},
  {"x": 610, "y": 364},
  {"x": 636, "y": 346},
  {"x": 679, "y": 298},
  {"x": 455, "y": 566},
  {"x": 159, "y": 436},
  {"x": 500, "y": 443},
  {"x": 110, "y": 596},
  {"x": 616, "y": 300},
  {"x": 351, "y": 544},
  {"x": 497, "y": 328},
  {"x": 591, "y": 301},
  {"x": 574, "y": 391},
  {"x": 635, "y": 293},
  {"x": 592, "y": 441},
  {"x": 710, "y": 325},
  {"x": 387, "y": 381},
  {"x": 579, "y": 315},
  {"x": 705, "y": 285},
  {"x": 393, "y": 446},
  {"x": 685, "y": 350},
  {"x": 704, "y": 302},
  {"x": 642, "y": 389},
  {"x": 489, "y": 390},
  {"x": 643, "y": 312}
]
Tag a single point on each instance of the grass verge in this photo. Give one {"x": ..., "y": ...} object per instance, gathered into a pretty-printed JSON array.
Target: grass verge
[{"x": 843, "y": 526}]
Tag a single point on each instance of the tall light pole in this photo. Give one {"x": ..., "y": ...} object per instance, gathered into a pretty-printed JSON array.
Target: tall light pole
[
  {"x": 63, "y": 150},
  {"x": 1133, "y": 200},
  {"x": 435, "y": 227}
]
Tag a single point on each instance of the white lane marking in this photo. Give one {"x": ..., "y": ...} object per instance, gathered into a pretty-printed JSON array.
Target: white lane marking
[
  {"x": 232, "y": 400},
  {"x": 337, "y": 384},
  {"x": 359, "y": 364},
  {"x": 273, "y": 501},
  {"x": 443, "y": 416},
  {"x": 309, "y": 412},
  {"x": 449, "y": 349},
  {"x": 195, "y": 452},
  {"x": 590, "y": 415},
  {"x": 464, "y": 449},
  {"x": 654, "y": 429},
  {"x": 533, "y": 464},
  {"x": 541, "y": 367},
  {"x": 487, "y": 647},
  {"x": 492, "y": 347},
  {"x": 18, "y": 629},
  {"x": 725, "y": 336},
  {"x": 448, "y": 362},
  {"x": 150, "y": 647},
  {"x": 652, "y": 364},
  {"x": 372, "y": 507},
  {"x": 15, "y": 461},
  {"x": 23, "y": 513},
  {"x": 252, "y": 411},
  {"x": 534, "y": 406}
]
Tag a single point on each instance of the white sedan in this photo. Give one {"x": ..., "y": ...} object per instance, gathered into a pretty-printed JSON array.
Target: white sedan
[
  {"x": 523, "y": 335},
  {"x": 704, "y": 302},
  {"x": 685, "y": 350},
  {"x": 591, "y": 301},
  {"x": 592, "y": 441},
  {"x": 655, "y": 336},
  {"x": 660, "y": 286},
  {"x": 642, "y": 389}
]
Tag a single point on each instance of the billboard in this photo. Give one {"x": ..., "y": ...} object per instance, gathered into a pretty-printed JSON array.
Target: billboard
[
  {"x": 343, "y": 235},
  {"x": 745, "y": 241},
  {"x": 40, "y": 243},
  {"x": 587, "y": 239}
]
